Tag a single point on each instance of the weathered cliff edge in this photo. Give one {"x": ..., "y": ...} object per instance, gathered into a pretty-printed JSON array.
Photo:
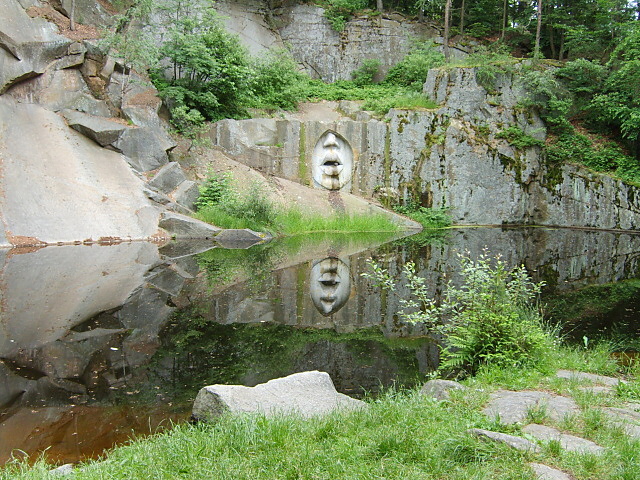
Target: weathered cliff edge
[{"x": 450, "y": 157}]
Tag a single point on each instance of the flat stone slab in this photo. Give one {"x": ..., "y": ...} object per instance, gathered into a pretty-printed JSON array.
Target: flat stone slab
[
  {"x": 240, "y": 238},
  {"x": 307, "y": 394},
  {"x": 571, "y": 443},
  {"x": 598, "y": 389},
  {"x": 591, "y": 377},
  {"x": 518, "y": 443},
  {"x": 628, "y": 418},
  {"x": 512, "y": 407},
  {"x": 168, "y": 178},
  {"x": 545, "y": 472},
  {"x": 99, "y": 129},
  {"x": 181, "y": 226},
  {"x": 440, "y": 389}
]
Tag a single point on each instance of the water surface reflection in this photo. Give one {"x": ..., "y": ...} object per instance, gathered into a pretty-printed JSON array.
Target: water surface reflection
[{"x": 92, "y": 332}]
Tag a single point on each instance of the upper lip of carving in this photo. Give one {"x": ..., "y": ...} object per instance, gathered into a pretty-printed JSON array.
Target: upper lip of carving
[{"x": 332, "y": 159}]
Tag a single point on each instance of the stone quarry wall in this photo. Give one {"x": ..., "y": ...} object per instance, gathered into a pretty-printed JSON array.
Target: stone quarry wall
[
  {"x": 320, "y": 50},
  {"x": 83, "y": 147},
  {"x": 451, "y": 157}
]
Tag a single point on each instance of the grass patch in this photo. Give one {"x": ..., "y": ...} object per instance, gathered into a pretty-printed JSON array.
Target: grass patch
[
  {"x": 222, "y": 205},
  {"x": 399, "y": 435}
]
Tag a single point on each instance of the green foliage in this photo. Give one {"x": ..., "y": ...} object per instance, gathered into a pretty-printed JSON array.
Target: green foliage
[
  {"x": 428, "y": 217},
  {"x": 222, "y": 205},
  {"x": 409, "y": 101},
  {"x": 216, "y": 189},
  {"x": 275, "y": 82},
  {"x": 366, "y": 73},
  {"x": 488, "y": 319},
  {"x": 412, "y": 70},
  {"x": 605, "y": 156},
  {"x": 518, "y": 139},
  {"x": 338, "y": 12},
  {"x": 208, "y": 72},
  {"x": 549, "y": 97}
]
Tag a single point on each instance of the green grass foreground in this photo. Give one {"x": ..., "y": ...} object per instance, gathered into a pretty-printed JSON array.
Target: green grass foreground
[{"x": 400, "y": 435}]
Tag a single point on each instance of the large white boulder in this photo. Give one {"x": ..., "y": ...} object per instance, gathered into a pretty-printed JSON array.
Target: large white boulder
[{"x": 306, "y": 393}]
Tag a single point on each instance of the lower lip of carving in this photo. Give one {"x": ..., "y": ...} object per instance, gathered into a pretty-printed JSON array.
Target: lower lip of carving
[{"x": 332, "y": 169}]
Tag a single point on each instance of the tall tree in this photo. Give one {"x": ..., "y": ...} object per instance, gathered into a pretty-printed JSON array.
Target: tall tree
[
  {"x": 379, "y": 5},
  {"x": 536, "y": 50},
  {"x": 447, "y": 21}
]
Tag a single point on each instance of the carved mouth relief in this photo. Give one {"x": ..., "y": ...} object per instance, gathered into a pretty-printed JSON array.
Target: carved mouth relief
[{"x": 332, "y": 161}]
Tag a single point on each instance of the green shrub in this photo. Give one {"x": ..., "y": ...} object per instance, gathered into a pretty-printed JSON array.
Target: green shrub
[
  {"x": 606, "y": 156},
  {"x": 412, "y": 70},
  {"x": 215, "y": 190},
  {"x": 518, "y": 139},
  {"x": 208, "y": 68},
  {"x": 408, "y": 101},
  {"x": 338, "y": 12},
  {"x": 275, "y": 82},
  {"x": 428, "y": 217},
  {"x": 366, "y": 73},
  {"x": 488, "y": 320}
]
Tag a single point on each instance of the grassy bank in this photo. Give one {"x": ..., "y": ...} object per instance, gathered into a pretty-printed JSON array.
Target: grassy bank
[
  {"x": 400, "y": 435},
  {"x": 221, "y": 203}
]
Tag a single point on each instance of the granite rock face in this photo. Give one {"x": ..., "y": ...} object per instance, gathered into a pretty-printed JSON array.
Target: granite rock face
[
  {"x": 51, "y": 171},
  {"x": 29, "y": 45},
  {"x": 306, "y": 393},
  {"x": 452, "y": 157}
]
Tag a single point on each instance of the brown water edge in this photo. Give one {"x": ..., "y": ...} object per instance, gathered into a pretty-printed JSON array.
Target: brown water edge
[{"x": 71, "y": 434}]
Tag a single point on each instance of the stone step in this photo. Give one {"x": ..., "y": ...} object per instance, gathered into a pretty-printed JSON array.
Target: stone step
[
  {"x": 513, "y": 441},
  {"x": 544, "y": 472},
  {"x": 513, "y": 407},
  {"x": 590, "y": 377},
  {"x": 570, "y": 443}
]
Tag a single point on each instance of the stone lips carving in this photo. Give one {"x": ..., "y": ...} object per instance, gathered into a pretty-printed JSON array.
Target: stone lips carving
[
  {"x": 330, "y": 285},
  {"x": 332, "y": 161}
]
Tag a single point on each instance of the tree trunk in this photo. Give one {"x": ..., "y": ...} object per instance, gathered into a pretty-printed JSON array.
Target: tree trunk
[
  {"x": 561, "y": 48},
  {"x": 447, "y": 15},
  {"x": 552, "y": 41},
  {"x": 536, "y": 51},
  {"x": 462, "y": 18},
  {"x": 72, "y": 15},
  {"x": 379, "y": 5},
  {"x": 504, "y": 18}
]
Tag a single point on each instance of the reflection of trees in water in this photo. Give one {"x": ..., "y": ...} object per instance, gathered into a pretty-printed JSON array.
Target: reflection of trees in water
[
  {"x": 198, "y": 351},
  {"x": 221, "y": 265}
]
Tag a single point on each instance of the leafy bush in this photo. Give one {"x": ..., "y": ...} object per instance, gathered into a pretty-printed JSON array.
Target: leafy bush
[
  {"x": 338, "y": 12},
  {"x": 428, "y": 217},
  {"x": 412, "y": 70},
  {"x": 488, "y": 319},
  {"x": 518, "y": 139},
  {"x": 549, "y": 97},
  {"x": 215, "y": 190},
  {"x": 275, "y": 82},
  {"x": 366, "y": 73},
  {"x": 605, "y": 156},
  {"x": 209, "y": 68},
  {"x": 409, "y": 101}
]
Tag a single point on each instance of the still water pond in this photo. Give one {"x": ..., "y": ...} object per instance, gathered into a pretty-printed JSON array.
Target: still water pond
[{"x": 99, "y": 343}]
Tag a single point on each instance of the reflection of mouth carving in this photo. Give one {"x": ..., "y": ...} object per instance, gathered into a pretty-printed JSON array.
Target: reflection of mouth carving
[{"x": 330, "y": 285}]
